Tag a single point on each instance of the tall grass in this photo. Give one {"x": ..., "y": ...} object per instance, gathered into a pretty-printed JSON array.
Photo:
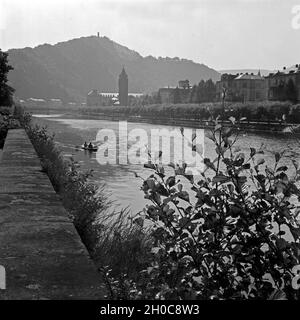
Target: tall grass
[{"x": 113, "y": 240}]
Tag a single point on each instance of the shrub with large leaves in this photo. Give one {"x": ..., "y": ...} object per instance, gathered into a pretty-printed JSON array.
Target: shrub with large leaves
[{"x": 238, "y": 240}]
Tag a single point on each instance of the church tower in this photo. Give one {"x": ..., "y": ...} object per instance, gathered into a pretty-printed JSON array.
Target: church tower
[{"x": 123, "y": 88}]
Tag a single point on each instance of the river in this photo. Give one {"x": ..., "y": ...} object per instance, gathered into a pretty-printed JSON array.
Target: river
[{"x": 120, "y": 180}]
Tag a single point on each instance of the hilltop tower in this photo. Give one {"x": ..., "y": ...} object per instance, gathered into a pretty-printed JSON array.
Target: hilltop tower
[{"x": 123, "y": 88}]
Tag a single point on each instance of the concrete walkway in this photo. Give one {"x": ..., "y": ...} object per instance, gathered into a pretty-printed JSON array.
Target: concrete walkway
[{"x": 40, "y": 249}]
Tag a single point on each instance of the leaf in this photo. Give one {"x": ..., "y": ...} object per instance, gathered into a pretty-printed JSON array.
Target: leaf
[
  {"x": 282, "y": 168},
  {"x": 198, "y": 148},
  {"x": 206, "y": 161},
  {"x": 162, "y": 190},
  {"x": 161, "y": 170},
  {"x": 218, "y": 127},
  {"x": 220, "y": 179},
  {"x": 295, "y": 232},
  {"x": 220, "y": 150},
  {"x": 171, "y": 181},
  {"x": 149, "y": 166},
  {"x": 227, "y": 132},
  {"x": 209, "y": 164},
  {"x": 281, "y": 243},
  {"x": 150, "y": 183},
  {"x": 172, "y": 165},
  {"x": 246, "y": 166},
  {"x": 277, "y": 156},
  {"x": 156, "y": 198},
  {"x": 230, "y": 188},
  {"x": 295, "y": 164},
  {"x": 184, "y": 196},
  {"x": 252, "y": 152},
  {"x": 232, "y": 120},
  {"x": 183, "y": 222},
  {"x": 139, "y": 221},
  {"x": 260, "y": 161},
  {"x": 190, "y": 177}
]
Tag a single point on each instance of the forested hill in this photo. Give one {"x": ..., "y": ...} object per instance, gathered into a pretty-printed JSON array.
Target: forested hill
[{"x": 68, "y": 70}]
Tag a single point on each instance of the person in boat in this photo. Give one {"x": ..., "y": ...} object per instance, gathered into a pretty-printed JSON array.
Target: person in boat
[
  {"x": 90, "y": 146},
  {"x": 85, "y": 145}
]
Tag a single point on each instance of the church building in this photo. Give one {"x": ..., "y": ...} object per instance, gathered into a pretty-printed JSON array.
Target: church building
[{"x": 123, "y": 88}]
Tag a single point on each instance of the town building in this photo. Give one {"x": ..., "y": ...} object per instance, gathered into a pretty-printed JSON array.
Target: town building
[
  {"x": 185, "y": 84},
  {"x": 179, "y": 94},
  {"x": 94, "y": 98},
  {"x": 242, "y": 87},
  {"x": 55, "y": 103},
  {"x": 36, "y": 102},
  {"x": 285, "y": 84},
  {"x": 166, "y": 95},
  {"x": 123, "y": 88}
]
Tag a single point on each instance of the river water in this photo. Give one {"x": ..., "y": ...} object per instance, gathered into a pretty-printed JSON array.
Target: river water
[{"x": 120, "y": 180}]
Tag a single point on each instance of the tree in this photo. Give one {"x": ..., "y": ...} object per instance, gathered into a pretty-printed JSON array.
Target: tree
[
  {"x": 6, "y": 92},
  {"x": 201, "y": 91},
  {"x": 280, "y": 92},
  {"x": 210, "y": 91},
  {"x": 157, "y": 98},
  {"x": 193, "y": 95},
  {"x": 291, "y": 91},
  {"x": 177, "y": 97}
]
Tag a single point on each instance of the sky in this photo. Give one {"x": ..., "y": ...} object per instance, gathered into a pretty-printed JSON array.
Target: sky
[{"x": 223, "y": 34}]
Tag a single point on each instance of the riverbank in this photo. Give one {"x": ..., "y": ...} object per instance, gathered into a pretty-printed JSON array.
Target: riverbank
[
  {"x": 257, "y": 117},
  {"x": 244, "y": 125}
]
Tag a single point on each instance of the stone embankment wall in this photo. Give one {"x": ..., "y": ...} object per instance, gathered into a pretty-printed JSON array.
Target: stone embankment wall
[{"x": 40, "y": 249}]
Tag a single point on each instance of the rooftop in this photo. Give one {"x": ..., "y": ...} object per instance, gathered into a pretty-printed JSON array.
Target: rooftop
[
  {"x": 288, "y": 70},
  {"x": 93, "y": 92},
  {"x": 36, "y": 99},
  {"x": 247, "y": 76}
]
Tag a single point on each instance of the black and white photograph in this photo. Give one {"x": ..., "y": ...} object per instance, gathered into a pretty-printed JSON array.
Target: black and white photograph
[{"x": 149, "y": 151}]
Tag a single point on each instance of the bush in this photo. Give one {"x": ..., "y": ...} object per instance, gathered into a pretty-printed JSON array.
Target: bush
[
  {"x": 7, "y": 121},
  {"x": 5, "y": 111},
  {"x": 240, "y": 239}
]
